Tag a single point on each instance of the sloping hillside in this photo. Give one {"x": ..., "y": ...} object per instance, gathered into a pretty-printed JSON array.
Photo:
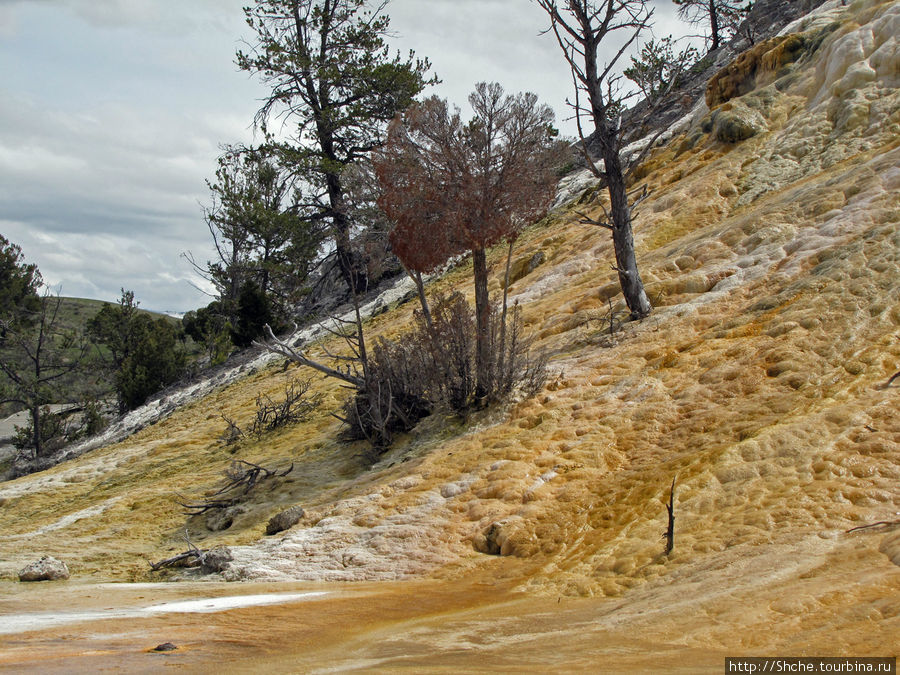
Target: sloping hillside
[{"x": 770, "y": 246}]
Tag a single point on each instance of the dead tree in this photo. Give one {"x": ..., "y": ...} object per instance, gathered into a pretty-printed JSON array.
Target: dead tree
[
  {"x": 190, "y": 558},
  {"x": 581, "y": 27},
  {"x": 669, "y": 534},
  {"x": 242, "y": 477}
]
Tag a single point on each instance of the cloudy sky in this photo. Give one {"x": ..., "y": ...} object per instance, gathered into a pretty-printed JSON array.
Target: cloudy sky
[{"x": 112, "y": 113}]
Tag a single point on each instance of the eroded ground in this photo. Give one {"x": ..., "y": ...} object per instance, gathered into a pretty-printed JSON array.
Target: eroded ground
[{"x": 834, "y": 598}]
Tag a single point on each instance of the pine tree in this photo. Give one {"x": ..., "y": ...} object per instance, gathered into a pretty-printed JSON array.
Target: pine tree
[
  {"x": 722, "y": 17},
  {"x": 334, "y": 86}
]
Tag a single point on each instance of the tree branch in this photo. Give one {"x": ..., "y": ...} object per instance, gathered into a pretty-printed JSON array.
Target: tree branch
[{"x": 281, "y": 347}]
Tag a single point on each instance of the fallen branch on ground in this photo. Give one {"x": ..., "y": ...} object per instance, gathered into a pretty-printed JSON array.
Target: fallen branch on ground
[
  {"x": 238, "y": 477},
  {"x": 192, "y": 553},
  {"x": 880, "y": 523}
]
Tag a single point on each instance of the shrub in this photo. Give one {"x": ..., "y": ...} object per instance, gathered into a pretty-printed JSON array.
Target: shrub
[
  {"x": 93, "y": 420},
  {"x": 296, "y": 407},
  {"x": 434, "y": 367},
  {"x": 55, "y": 432},
  {"x": 208, "y": 326}
]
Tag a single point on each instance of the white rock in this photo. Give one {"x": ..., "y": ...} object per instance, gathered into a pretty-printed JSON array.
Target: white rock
[{"x": 45, "y": 569}]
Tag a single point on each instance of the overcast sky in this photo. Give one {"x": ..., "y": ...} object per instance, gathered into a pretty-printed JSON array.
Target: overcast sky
[{"x": 112, "y": 113}]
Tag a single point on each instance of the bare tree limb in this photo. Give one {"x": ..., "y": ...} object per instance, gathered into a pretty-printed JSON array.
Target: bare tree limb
[
  {"x": 880, "y": 523},
  {"x": 279, "y": 346},
  {"x": 192, "y": 553},
  {"x": 587, "y": 220}
]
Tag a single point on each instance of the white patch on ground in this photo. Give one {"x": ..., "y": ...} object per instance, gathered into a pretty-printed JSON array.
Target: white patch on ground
[
  {"x": 69, "y": 519},
  {"x": 354, "y": 541},
  {"x": 22, "y": 623},
  {"x": 228, "y": 602}
]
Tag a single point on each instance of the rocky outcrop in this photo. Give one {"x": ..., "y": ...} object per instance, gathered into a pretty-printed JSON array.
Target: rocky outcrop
[
  {"x": 524, "y": 266},
  {"x": 221, "y": 519},
  {"x": 284, "y": 520},
  {"x": 45, "y": 569},
  {"x": 741, "y": 75},
  {"x": 503, "y": 537},
  {"x": 216, "y": 560},
  {"x": 738, "y": 122}
]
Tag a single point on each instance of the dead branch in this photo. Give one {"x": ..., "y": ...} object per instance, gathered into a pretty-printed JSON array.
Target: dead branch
[
  {"x": 645, "y": 193},
  {"x": 208, "y": 505},
  {"x": 880, "y": 523},
  {"x": 587, "y": 220},
  {"x": 281, "y": 347},
  {"x": 233, "y": 433},
  {"x": 239, "y": 478},
  {"x": 249, "y": 477},
  {"x": 296, "y": 407},
  {"x": 607, "y": 219},
  {"x": 891, "y": 380},
  {"x": 614, "y": 322},
  {"x": 193, "y": 553}
]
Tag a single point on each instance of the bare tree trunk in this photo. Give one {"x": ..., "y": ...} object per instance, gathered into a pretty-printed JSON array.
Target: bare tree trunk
[
  {"x": 623, "y": 237},
  {"x": 36, "y": 430},
  {"x": 482, "y": 325},
  {"x": 351, "y": 269},
  {"x": 714, "y": 24},
  {"x": 420, "y": 290}
]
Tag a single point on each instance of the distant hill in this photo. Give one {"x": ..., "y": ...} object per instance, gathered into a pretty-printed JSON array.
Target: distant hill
[
  {"x": 74, "y": 315},
  {"x": 76, "y": 312}
]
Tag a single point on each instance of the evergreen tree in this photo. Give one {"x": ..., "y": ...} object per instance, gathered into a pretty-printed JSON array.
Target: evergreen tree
[
  {"x": 144, "y": 355},
  {"x": 19, "y": 283},
  {"x": 334, "y": 86},
  {"x": 36, "y": 354},
  {"x": 258, "y": 233},
  {"x": 254, "y": 312}
]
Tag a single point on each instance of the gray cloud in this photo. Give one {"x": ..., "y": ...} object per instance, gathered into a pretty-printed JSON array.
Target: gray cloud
[
  {"x": 101, "y": 180},
  {"x": 111, "y": 114}
]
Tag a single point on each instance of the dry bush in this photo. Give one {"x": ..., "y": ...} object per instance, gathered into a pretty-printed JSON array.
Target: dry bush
[
  {"x": 296, "y": 407},
  {"x": 515, "y": 366},
  {"x": 433, "y": 367}
]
